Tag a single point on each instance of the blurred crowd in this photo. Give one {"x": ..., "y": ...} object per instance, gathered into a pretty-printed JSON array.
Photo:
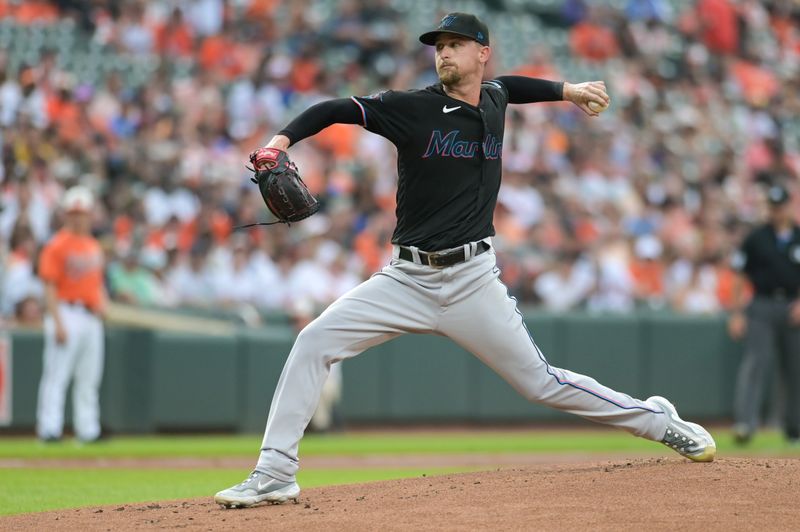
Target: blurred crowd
[{"x": 640, "y": 207}]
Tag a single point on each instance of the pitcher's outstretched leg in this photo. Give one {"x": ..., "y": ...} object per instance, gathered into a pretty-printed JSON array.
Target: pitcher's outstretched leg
[{"x": 488, "y": 324}]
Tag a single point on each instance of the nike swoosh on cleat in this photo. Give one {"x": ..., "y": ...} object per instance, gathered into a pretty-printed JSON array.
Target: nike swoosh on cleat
[
  {"x": 267, "y": 483},
  {"x": 446, "y": 110}
]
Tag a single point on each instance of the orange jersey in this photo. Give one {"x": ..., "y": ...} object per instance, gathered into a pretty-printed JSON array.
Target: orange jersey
[{"x": 74, "y": 264}]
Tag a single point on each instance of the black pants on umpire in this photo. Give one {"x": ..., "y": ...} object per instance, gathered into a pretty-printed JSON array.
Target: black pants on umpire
[{"x": 770, "y": 336}]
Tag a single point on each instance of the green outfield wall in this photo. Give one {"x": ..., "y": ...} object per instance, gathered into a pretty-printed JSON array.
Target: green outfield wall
[{"x": 165, "y": 381}]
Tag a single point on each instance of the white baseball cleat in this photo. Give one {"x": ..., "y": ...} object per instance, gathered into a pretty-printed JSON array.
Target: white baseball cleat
[
  {"x": 258, "y": 487},
  {"x": 689, "y": 439}
]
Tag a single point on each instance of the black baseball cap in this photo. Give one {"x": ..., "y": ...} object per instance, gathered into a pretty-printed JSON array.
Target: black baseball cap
[
  {"x": 462, "y": 24},
  {"x": 777, "y": 195}
]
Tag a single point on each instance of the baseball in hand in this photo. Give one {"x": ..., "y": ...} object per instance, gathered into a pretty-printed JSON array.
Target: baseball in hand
[{"x": 597, "y": 107}]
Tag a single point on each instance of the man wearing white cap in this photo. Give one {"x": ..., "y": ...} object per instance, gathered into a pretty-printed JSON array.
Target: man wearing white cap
[{"x": 71, "y": 266}]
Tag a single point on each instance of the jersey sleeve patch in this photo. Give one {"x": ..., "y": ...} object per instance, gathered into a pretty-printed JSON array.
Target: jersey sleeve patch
[
  {"x": 387, "y": 114},
  {"x": 363, "y": 111},
  {"x": 498, "y": 85}
]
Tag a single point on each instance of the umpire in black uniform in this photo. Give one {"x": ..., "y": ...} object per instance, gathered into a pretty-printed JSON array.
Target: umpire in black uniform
[{"x": 770, "y": 325}]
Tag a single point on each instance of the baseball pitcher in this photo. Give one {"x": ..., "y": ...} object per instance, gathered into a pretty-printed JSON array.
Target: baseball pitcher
[{"x": 442, "y": 278}]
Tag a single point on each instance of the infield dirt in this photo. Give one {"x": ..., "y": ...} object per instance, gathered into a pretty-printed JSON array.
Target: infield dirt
[{"x": 642, "y": 494}]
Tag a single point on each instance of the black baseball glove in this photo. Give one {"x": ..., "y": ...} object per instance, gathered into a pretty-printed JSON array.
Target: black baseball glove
[{"x": 281, "y": 186}]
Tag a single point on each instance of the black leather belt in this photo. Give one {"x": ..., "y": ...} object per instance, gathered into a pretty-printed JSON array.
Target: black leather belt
[{"x": 442, "y": 259}]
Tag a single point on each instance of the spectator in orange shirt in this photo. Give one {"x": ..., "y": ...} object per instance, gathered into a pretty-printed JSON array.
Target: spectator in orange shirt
[
  {"x": 175, "y": 38},
  {"x": 718, "y": 25},
  {"x": 305, "y": 71},
  {"x": 592, "y": 40},
  {"x": 757, "y": 82},
  {"x": 35, "y": 12},
  {"x": 64, "y": 113},
  {"x": 225, "y": 54}
]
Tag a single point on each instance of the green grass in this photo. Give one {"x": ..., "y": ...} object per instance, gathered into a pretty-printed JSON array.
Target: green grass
[
  {"x": 38, "y": 490},
  {"x": 357, "y": 443}
]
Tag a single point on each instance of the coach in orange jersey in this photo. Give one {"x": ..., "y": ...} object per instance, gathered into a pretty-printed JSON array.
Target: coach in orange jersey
[{"x": 71, "y": 266}]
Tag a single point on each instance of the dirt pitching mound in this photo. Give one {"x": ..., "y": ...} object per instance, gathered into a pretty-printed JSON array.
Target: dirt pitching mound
[{"x": 642, "y": 494}]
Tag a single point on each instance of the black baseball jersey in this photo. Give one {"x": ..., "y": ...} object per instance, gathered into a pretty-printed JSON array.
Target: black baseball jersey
[
  {"x": 448, "y": 164},
  {"x": 449, "y": 152},
  {"x": 772, "y": 264}
]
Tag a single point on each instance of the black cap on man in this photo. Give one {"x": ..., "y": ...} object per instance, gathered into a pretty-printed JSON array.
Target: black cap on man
[{"x": 462, "y": 24}]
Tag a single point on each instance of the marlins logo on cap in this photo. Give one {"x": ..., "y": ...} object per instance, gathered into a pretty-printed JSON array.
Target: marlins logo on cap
[
  {"x": 462, "y": 24},
  {"x": 78, "y": 198},
  {"x": 447, "y": 21}
]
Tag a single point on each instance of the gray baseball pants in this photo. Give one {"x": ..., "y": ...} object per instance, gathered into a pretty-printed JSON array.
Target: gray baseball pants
[
  {"x": 465, "y": 302},
  {"x": 770, "y": 337}
]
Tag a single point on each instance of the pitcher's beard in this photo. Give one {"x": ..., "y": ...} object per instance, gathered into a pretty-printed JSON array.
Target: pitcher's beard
[{"x": 449, "y": 76}]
